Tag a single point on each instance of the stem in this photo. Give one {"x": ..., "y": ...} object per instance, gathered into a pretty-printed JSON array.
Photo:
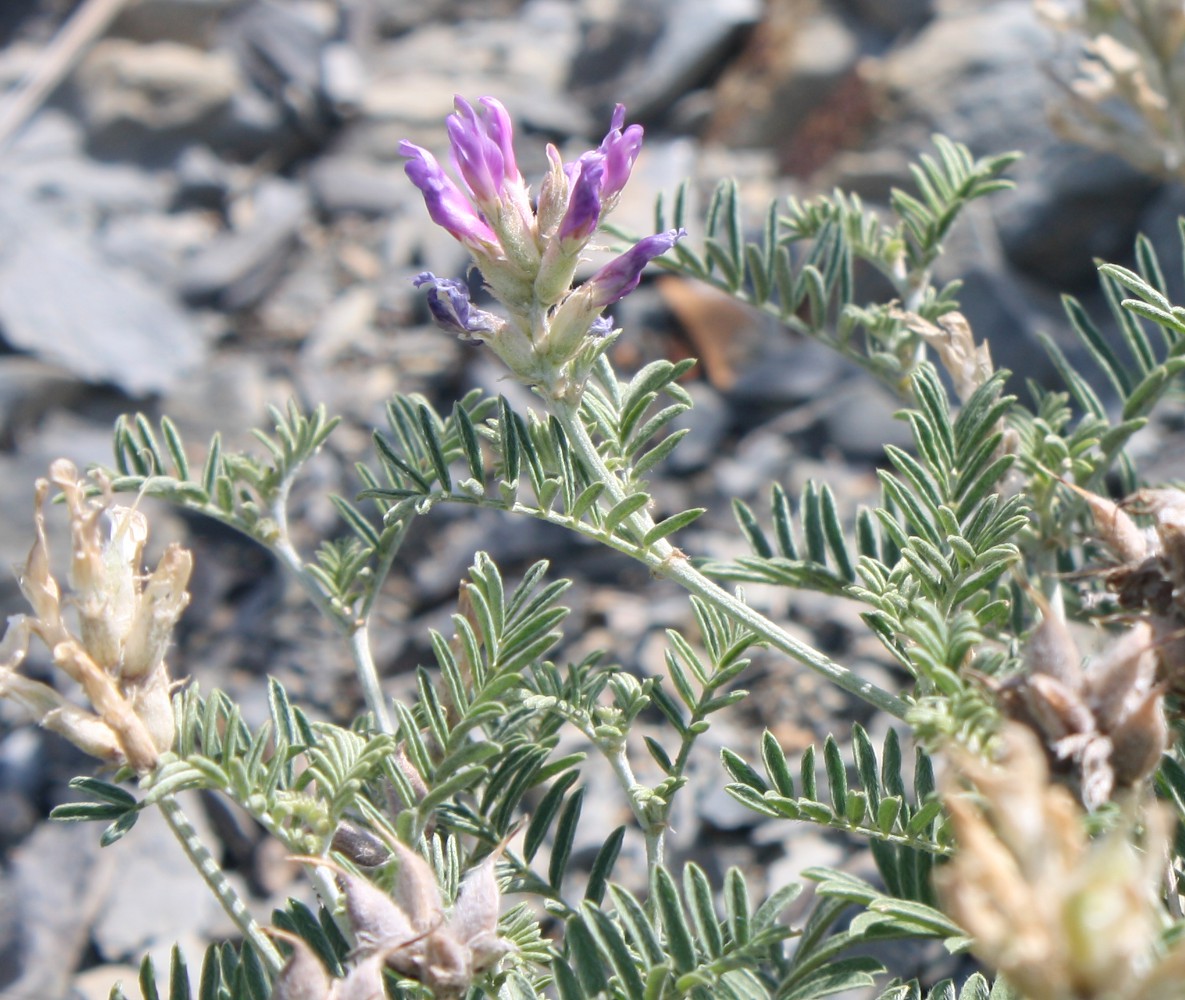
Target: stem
[
  {"x": 665, "y": 560},
  {"x": 359, "y": 636},
  {"x": 655, "y": 833},
  {"x": 368, "y": 677},
  {"x": 200, "y": 857}
]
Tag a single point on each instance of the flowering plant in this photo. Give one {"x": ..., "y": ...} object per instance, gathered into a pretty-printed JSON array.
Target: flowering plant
[{"x": 423, "y": 818}]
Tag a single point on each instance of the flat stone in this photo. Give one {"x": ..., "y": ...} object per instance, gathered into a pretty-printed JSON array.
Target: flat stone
[
  {"x": 238, "y": 268},
  {"x": 352, "y": 185},
  {"x": 58, "y": 880},
  {"x": 62, "y": 302},
  {"x": 159, "y": 86},
  {"x": 157, "y": 897}
]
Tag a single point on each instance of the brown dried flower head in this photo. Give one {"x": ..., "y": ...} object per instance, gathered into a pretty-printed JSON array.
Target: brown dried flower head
[
  {"x": 1061, "y": 917},
  {"x": 1148, "y": 578},
  {"x": 115, "y": 653},
  {"x": 411, "y": 932},
  {"x": 1100, "y": 720}
]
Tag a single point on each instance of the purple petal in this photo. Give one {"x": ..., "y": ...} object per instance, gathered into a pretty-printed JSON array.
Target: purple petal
[
  {"x": 448, "y": 301},
  {"x": 447, "y": 205},
  {"x": 477, "y": 157},
  {"x": 584, "y": 204},
  {"x": 602, "y": 326},
  {"x": 500, "y": 130},
  {"x": 621, "y": 275},
  {"x": 620, "y": 150}
]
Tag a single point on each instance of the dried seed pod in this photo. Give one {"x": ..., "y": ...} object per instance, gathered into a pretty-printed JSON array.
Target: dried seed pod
[
  {"x": 303, "y": 976},
  {"x": 363, "y": 982},
  {"x": 1058, "y": 709},
  {"x": 1051, "y": 650},
  {"x": 375, "y": 917},
  {"x": 1115, "y": 527},
  {"x": 1139, "y": 740},
  {"x": 361, "y": 846},
  {"x": 1121, "y": 675},
  {"x": 415, "y": 890}
]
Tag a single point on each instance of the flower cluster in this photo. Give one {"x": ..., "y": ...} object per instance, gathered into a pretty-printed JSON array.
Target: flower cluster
[
  {"x": 125, "y": 622},
  {"x": 527, "y": 254}
]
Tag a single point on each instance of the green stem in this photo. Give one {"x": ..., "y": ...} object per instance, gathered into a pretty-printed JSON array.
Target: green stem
[
  {"x": 368, "y": 678},
  {"x": 364, "y": 665},
  {"x": 665, "y": 560},
  {"x": 655, "y": 832},
  {"x": 200, "y": 857}
]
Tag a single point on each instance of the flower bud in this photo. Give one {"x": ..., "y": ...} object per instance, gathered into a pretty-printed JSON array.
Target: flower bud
[
  {"x": 446, "y": 205},
  {"x": 621, "y": 275}
]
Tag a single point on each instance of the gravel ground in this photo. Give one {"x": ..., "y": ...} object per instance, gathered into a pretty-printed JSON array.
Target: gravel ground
[{"x": 207, "y": 215}]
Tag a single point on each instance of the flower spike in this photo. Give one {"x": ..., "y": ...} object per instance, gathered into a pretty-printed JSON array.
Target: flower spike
[{"x": 529, "y": 255}]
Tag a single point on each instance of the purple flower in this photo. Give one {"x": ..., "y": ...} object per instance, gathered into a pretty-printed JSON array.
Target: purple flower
[
  {"x": 448, "y": 301},
  {"x": 584, "y": 204},
  {"x": 482, "y": 148},
  {"x": 447, "y": 205},
  {"x": 620, "y": 150},
  {"x": 621, "y": 275}
]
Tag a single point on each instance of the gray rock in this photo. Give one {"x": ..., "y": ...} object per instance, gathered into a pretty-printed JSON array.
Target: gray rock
[
  {"x": 63, "y": 303},
  {"x": 229, "y": 395},
  {"x": 757, "y": 460},
  {"x": 1071, "y": 207},
  {"x": 130, "y": 93},
  {"x": 798, "y": 62},
  {"x": 351, "y": 185},
  {"x": 707, "y": 421},
  {"x": 156, "y": 897},
  {"x": 58, "y": 880},
  {"x": 81, "y": 191},
  {"x": 203, "y": 179},
  {"x": 238, "y": 268},
  {"x": 191, "y": 22},
  {"x": 860, "y": 421},
  {"x": 155, "y": 244},
  {"x": 280, "y": 50},
  {"x": 785, "y": 372},
  {"x": 29, "y": 390},
  {"x": 96, "y": 983},
  {"x": 976, "y": 75},
  {"x": 890, "y": 18},
  {"x": 690, "y": 39}
]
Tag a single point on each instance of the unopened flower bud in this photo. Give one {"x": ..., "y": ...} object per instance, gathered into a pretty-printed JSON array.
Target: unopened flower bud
[
  {"x": 447, "y": 205},
  {"x": 621, "y": 275}
]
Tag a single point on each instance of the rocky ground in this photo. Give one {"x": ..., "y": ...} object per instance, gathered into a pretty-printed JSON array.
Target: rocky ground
[{"x": 209, "y": 216}]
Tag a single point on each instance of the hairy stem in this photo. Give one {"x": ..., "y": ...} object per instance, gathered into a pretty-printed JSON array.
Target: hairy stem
[
  {"x": 364, "y": 665},
  {"x": 665, "y": 560},
  {"x": 655, "y": 832},
  {"x": 368, "y": 678},
  {"x": 200, "y": 857}
]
